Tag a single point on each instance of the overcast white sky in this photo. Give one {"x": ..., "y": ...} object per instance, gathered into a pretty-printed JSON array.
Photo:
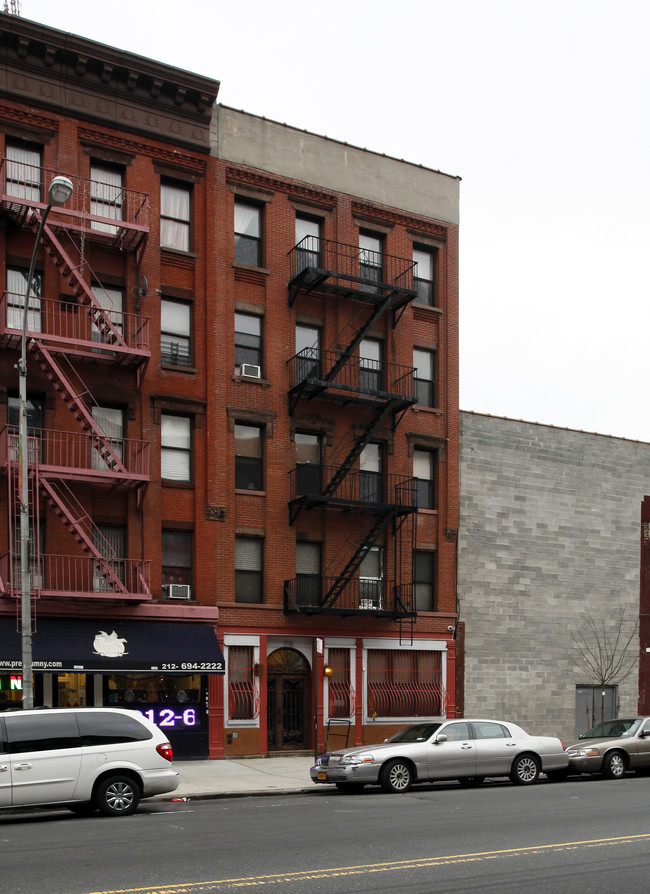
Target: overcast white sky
[{"x": 542, "y": 109}]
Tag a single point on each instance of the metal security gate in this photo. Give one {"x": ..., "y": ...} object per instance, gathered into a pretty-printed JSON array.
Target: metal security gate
[{"x": 287, "y": 701}]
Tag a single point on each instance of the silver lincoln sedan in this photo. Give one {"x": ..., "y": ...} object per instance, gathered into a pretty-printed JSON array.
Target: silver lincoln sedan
[{"x": 467, "y": 750}]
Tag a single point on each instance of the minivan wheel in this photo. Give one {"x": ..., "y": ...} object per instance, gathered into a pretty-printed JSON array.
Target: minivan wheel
[
  {"x": 614, "y": 765},
  {"x": 525, "y": 770},
  {"x": 117, "y": 796}
]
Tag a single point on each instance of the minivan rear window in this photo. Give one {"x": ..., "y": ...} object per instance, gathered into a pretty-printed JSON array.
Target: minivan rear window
[
  {"x": 108, "y": 728},
  {"x": 41, "y": 732}
]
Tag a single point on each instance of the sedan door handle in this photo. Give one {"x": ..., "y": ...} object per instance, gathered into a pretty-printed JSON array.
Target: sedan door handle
[
  {"x": 25, "y": 766},
  {"x": 465, "y": 747}
]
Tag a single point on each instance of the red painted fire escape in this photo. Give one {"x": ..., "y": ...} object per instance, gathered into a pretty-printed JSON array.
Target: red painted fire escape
[{"x": 63, "y": 336}]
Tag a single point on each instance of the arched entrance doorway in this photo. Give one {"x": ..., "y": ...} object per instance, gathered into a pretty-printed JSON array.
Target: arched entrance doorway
[{"x": 288, "y": 675}]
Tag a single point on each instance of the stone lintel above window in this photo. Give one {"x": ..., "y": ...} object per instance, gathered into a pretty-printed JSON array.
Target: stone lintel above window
[
  {"x": 246, "y": 415},
  {"x": 179, "y": 406}
]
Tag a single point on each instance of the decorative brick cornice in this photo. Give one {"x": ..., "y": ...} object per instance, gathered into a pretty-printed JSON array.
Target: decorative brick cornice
[
  {"x": 28, "y": 118},
  {"x": 171, "y": 157},
  {"x": 294, "y": 188},
  {"x": 377, "y": 212}
]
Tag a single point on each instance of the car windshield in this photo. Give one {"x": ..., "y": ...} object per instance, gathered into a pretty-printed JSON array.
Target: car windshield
[
  {"x": 613, "y": 729},
  {"x": 418, "y": 733}
]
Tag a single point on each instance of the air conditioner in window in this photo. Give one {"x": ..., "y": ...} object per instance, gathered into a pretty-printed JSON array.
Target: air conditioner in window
[
  {"x": 249, "y": 369},
  {"x": 177, "y": 591}
]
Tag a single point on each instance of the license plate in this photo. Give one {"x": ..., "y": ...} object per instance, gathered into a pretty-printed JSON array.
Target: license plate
[{"x": 322, "y": 777}]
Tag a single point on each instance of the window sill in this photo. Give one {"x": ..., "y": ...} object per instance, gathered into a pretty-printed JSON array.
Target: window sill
[
  {"x": 185, "y": 485},
  {"x": 178, "y": 252},
  {"x": 239, "y": 266},
  {"x": 427, "y": 307},
  {"x": 425, "y": 510},
  {"x": 251, "y": 380},
  {"x": 250, "y": 493},
  {"x": 420, "y": 408},
  {"x": 175, "y": 367}
]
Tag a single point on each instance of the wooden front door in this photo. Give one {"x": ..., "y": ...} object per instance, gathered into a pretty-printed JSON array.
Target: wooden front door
[{"x": 288, "y": 676}]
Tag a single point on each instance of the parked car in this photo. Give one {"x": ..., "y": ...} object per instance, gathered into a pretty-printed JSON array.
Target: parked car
[
  {"x": 612, "y": 748},
  {"x": 86, "y": 759},
  {"x": 467, "y": 750}
]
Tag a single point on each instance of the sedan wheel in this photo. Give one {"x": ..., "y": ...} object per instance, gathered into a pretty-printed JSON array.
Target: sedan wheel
[
  {"x": 396, "y": 776},
  {"x": 525, "y": 770},
  {"x": 614, "y": 765}
]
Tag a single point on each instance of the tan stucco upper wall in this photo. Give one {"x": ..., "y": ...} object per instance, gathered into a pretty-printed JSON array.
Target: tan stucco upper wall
[{"x": 285, "y": 151}]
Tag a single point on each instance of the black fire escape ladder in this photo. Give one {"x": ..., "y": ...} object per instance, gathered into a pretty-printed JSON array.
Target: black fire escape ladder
[
  {"x": 359, "y": 335},
  {"x": 353, "y": 563},
  {"x": 357, "y": 448}
]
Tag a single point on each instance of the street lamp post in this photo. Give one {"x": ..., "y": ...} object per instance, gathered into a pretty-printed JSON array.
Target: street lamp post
[{"x": 59, "y": 191}]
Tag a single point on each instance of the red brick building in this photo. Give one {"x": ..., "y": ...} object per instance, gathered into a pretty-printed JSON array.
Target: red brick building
[{"x": 243, "y": 410}]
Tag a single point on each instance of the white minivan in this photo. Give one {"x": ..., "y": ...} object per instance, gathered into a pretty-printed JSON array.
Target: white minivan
[{"x": 85, "y": 759}]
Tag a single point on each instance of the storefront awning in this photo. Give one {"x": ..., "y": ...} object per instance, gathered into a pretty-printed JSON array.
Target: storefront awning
[{"x": 97, "y": 646}]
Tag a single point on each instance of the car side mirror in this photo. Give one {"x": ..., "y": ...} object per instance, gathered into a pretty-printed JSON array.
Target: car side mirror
[{"x": 440, "y": 739}]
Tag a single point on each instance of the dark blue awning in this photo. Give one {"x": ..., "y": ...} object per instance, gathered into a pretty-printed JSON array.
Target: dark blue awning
[{"x": 97, "y": 646}]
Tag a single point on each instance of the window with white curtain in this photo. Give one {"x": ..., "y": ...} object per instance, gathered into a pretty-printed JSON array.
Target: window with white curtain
[
  {"x": 423, "y": 279},
  {"x": 248, "y": 233},
  {"x": 23, "y": 171},
  {"x": 175, "y": 447},
  {"x": 16, "y": 289},
  {"x": 175, "y": 215},
  {"x": 424, "y": 363},
  {"x": 106, "y": 195},
  {"x": 424, "y": 474},
  {"x": 175, "y": 333}
]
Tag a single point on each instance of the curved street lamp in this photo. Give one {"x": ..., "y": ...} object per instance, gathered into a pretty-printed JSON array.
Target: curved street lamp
[{"x": 59, "y": 191}]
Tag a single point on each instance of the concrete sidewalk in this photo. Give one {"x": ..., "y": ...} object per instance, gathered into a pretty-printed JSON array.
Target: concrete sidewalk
[{"x": 243, "y": 776}]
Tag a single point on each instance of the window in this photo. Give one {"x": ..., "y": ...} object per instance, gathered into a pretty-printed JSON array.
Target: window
[
  {"x": 112, "y": 303},
  {"x": 16, "y": 290},
  {"x": 309, "y": 470},
  {"x": 370, "y": 258},
  {"x": 424, "y": 474},
  {"x": 42, "y": 732},
  {"x": 109, "y": 421},
  {"x": 248, "y": 457},
  {"x": 110, "y": 541},
  {"x": 370, "y": 371},
  {"x": 248, "y": 233},
  {"x": 177, "y": 557},
  {"x": 423, "y": 279},
  {"x": 370, "y": 476},
  {"x": 308, "y": 575},
  {"x": 308, "y": 354},
  {"x": 175, "y": 447},
  {"x": 175, "y": 333},
  {"x": 175, "y": 215},
  {"x": 308, "y": 244},
  {"x": 23, "y": 177},
  {"x": 405, "y": 684},
  {"x": 424, "y": 363},
  {"x": 248, "y": 340},
  {"x": 35, "y": 417},
  {"x": 106, "y": 195},
  {"x": 371, "y": 573},
  {"x": 424, "y": 581},
  {"x": 241, "y": 684},
  {"x": 97, "y": 728},
  {"x": 248, "y": 569},
  {"x": 339, "y": 698}
]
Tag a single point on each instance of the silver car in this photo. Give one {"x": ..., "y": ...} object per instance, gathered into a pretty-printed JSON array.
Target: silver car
[
  {"x": 612, "y": 748},
  {"x": 467, "y": 750}
]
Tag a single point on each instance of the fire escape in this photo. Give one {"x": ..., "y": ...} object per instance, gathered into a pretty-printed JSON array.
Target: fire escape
[
  {"x": 65, "y": 335},
  {"x": 381, "y": 505}
]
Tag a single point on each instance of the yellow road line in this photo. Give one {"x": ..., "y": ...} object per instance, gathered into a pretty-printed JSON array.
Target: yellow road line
[{"x": 392, "y": 866}]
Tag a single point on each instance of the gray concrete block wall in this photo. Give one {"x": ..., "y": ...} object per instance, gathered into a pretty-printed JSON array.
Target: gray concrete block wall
[{"x": 549, "y": 535}]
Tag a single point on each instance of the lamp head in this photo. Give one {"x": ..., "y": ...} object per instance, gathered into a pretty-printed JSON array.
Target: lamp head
[
  {"x": 59, "y": 191},
  {"x": 328, "y": 670}
]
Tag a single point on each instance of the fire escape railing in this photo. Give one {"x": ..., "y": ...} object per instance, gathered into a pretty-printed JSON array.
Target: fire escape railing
[
  {"x": 383, "y": 598},
  {"x": 369, "y": 492},
  {"x": 64, "y": 322},
  {"x": 317, "y": 263},
  {"x": 101, "y": 210}
]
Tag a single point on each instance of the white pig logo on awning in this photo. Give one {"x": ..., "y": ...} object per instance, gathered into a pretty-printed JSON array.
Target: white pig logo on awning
[{"x": 109, "y": 645}]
